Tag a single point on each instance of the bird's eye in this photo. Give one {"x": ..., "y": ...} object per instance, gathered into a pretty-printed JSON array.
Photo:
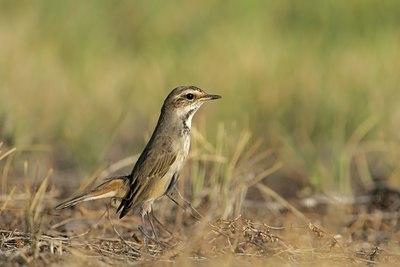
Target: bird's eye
[{"x": 190, "y": 96}]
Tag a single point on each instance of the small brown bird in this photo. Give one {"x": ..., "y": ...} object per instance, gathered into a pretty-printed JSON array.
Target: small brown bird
[{"x": 157, "y": 169}]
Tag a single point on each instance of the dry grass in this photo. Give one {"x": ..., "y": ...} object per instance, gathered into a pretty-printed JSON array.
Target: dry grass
[
  {"x": 237, "y": 240},
  {"x": 34, "y": 234}
]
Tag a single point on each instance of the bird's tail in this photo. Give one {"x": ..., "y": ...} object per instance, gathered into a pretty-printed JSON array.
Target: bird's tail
[{"x": 112, "y": 188}]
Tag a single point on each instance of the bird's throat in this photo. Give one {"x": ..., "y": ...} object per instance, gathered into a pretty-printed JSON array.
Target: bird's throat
[{"x": 187, "y": 120}]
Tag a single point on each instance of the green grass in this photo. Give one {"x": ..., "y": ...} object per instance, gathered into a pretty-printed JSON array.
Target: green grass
[{"x": 89, "y": 78}]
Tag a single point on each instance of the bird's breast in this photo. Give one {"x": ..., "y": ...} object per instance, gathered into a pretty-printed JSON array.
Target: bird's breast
[
  {"x": 181, "y": 147},
  {"x": 182, "y": 152},
  {"x": 186, "y": 145}
]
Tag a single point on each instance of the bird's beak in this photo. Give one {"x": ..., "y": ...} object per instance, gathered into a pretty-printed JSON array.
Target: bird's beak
[{"x": 209, "y": 97}]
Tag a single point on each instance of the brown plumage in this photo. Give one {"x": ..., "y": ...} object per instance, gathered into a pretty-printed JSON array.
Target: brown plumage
[
  {"x": 115, "y": 187},
  {"x": 157, "y": 169}
]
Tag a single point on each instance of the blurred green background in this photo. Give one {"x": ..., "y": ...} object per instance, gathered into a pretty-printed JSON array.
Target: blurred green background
[{"x": 318, "y": 81}]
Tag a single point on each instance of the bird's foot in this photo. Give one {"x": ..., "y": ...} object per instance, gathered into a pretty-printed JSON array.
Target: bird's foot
[{"x": 147, "y": 238}]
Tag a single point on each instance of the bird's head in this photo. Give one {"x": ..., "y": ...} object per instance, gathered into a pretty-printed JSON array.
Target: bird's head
[{"x": 184, "y": 101}]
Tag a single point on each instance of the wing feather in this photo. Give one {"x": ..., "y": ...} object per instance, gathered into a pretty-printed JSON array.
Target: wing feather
[{"x": 153, "y": 166}]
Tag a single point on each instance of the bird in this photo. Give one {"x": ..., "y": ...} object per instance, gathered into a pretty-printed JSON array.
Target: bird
[{"x": 157, "y": 169}]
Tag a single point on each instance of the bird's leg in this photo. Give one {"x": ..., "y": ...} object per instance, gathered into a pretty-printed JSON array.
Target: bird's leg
[
  {"x": 153, "y": 228},
  {"x": 153, "y": 219},
  {"x": 160, "y": 223},
  {"x": 146, "y": 211},
  {"x": 143, "y": 229}
]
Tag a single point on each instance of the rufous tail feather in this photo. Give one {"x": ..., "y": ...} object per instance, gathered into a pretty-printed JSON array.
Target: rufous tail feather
[{"x": 112, "y": 188}]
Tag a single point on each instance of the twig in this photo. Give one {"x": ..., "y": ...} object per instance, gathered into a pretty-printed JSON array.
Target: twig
[
  {"x": 8, "y": 153},
  {"x": 197, "y": 215},
  {"x": 266, "y": 190},
  {"x": 8, "y": 199},
  {"x": 118, "y": 234}
]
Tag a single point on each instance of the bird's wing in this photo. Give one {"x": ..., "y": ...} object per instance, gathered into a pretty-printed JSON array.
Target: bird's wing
[{"x": 154, "y": 165}]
